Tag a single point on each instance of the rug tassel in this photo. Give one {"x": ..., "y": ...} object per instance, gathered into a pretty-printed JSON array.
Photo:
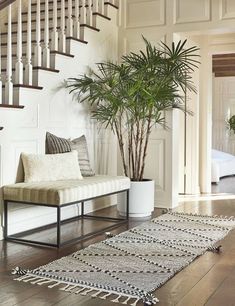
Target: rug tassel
[
  {"x": 135, "y": 303},
  {"x": 96, "y": 294},
  {"x": 30, "y": 279},
  {"x": 54, "y": 285},
  {"x": 80, "y": 290},
  {"x": 45, "y": 282},
  {"x": 126, "y": 301},
  {"x": 117, "y": 299},
  {"x": 19, "y": 271},
  {"x": 215, "y": 249},
  {"x": 69, "y": 289},
  {"x": 64, "y": 288},
  {"x": 87, "y": 291},
  {"x": 19, "y": 279},
  {"x": 37, "y": 281},
  {"x": 109, "y": 235},
  {"x": 105, "y": 296}
]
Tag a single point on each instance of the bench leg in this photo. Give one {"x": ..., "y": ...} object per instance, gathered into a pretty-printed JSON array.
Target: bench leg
[
  {"x": 82, "y": 209},
  {"x": 127, "y": 204},
  {"x": 58, "y": 226},
  {"x": 5, "y": 232}
]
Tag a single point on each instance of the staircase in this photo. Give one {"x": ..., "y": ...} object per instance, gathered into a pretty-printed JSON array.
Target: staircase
[{"x": 34, "y": 32}]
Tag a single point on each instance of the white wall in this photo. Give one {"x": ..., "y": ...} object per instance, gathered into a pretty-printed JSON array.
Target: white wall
[
  {"x": 53, "y": 109},
  {"x": 160, "y": 20}
]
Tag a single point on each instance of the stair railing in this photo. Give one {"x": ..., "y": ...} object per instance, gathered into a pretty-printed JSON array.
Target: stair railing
[{"x": 40, "y": 33}]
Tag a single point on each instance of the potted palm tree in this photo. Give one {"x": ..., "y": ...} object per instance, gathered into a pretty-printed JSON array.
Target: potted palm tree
[{"x": 131, "y": 98}]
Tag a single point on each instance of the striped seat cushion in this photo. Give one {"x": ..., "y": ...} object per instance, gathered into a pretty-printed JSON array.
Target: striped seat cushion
[{"x": 61, "y": 192}]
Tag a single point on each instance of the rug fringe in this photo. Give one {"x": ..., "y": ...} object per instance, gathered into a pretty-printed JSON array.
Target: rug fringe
[{"x": 215, "y": 248}]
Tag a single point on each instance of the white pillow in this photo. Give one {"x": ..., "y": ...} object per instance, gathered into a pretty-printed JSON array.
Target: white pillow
[{"x": 51, "y": 167}]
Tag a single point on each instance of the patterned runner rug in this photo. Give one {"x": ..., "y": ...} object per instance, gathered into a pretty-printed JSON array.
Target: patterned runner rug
[{"x": 129, "y": 267}]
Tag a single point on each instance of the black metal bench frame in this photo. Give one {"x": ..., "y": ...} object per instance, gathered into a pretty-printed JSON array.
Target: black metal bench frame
[{"x": 17, "y": 236}]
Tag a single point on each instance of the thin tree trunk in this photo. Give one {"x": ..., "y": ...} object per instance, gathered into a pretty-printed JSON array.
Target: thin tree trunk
[
  {"x": 121, "y": 146},
  {"x": 148, "y": 131},
  {"x": 141, "y": 147}
]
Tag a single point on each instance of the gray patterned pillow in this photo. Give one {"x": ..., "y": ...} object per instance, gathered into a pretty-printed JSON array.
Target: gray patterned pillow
[
  {"x": 56, "y": 145},
  {"x": 80, "y": 145}
]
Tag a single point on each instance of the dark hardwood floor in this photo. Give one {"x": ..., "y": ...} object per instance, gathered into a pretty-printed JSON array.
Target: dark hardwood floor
[{"x": 209, "y": 280}]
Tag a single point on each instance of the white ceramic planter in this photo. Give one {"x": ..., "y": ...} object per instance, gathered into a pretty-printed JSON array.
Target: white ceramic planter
[{"x": 141, "y": 200}]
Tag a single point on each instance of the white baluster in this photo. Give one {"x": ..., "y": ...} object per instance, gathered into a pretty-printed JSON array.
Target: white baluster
[
  {"x": 95, "y": 6},
  {"x": 77, "y": 22},
  {"x": 83, "y": 12},
  {"x": 28, "y": 66},
  {"x": 101, "y": 7},
  {"x": 9, "y": 84},
  {"x": 69, "y": 25},
  {"x": 38, "y": 48},
  {"x": 19, "y": 64},
  {"x": 89, "y": 12},
  {"x": 54, "y": 42},
  {"x": 0, "y": 68},
  {"x": 62, "y": 27},
  {"x": 46, "y": 50}
]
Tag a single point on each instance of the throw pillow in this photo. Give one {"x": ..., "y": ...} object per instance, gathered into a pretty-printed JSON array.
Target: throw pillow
[
  {"x": 51, "y": 167},
  {"x": 55, "y": 145},
  {"x": 80, "y": 145}
]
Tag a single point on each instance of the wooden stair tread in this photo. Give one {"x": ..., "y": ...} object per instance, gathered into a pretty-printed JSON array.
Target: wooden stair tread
[
  {"x": 26, "y": 86},
  {"x": 90, "y": 27},
  {"x": 101, "y": 15},
  {"x": 12, "y": 106},
  {"x": 77, "y": 39},
  {"x": 46, "y": 69},
  {"x": 38, "y": 68},
  {"x": 111, "y": 4}
]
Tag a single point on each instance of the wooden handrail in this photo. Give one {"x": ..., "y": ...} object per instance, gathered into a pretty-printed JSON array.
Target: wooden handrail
[{"x": 5, "y": 3}]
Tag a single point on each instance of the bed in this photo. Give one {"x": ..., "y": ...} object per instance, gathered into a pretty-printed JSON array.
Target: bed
[{"x": 222, "y": 164}]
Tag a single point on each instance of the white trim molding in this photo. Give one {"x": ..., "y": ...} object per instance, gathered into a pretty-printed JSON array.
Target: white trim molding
[
  {"x": 142, "y": 9},
  {"x": 225, "y": 10},
  {"x": 189, "y": 18}
]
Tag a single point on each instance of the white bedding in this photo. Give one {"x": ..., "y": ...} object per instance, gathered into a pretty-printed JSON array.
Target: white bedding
[{"x": 222, "y": 164}]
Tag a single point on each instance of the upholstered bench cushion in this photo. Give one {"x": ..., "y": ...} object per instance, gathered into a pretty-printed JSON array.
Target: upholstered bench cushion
[{"x": 67, "y": 191}]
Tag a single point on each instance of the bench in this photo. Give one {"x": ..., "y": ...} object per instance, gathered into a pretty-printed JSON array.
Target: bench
[{"x": 59, "y": 194}]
